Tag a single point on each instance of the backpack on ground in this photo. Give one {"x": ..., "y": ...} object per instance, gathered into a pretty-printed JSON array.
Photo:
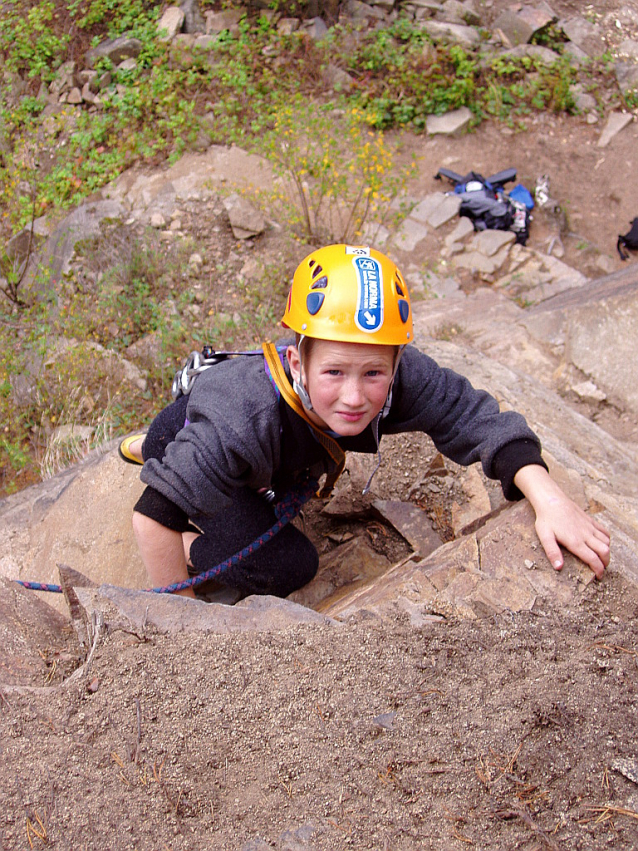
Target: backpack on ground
[
  {"x": 629, "y": 240},
  {"x": 488, "y": 206}
]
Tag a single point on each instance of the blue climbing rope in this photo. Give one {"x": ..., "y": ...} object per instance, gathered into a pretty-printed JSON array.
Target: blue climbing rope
[
  {"x": 285, "y": 510},
  {"x": 40, "y": 586}
]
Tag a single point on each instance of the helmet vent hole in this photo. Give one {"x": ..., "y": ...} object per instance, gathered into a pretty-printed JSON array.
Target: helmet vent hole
[
  {"x": 319, "y": 284},
  {"x": 311, "y": 263},
  {"x": 398, "y": 289},
  {"x": 316, "y": 271}
]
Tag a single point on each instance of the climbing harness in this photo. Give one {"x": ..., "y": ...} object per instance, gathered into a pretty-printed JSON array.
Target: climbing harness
[{"x": 285, "y": 510}]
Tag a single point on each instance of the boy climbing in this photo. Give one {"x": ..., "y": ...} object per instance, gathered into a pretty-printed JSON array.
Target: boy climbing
[{"x": 218, "y": 459}]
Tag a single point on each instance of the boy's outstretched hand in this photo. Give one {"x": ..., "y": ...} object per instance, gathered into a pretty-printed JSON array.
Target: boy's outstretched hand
[{"x": 561, "y": 521}]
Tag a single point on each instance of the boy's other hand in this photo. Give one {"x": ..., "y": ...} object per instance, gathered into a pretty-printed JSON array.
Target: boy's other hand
[{"x": 560, "y": 521}]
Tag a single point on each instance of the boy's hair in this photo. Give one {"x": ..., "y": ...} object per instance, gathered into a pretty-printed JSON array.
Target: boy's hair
[{"x": 308, "y": 343}]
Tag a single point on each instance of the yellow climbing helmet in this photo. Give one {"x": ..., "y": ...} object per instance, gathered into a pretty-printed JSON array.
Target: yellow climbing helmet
[{"x": 352, "y": 294}]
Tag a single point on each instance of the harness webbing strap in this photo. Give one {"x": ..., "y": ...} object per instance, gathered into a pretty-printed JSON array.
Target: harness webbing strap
[{"x": 290, "y": 397}]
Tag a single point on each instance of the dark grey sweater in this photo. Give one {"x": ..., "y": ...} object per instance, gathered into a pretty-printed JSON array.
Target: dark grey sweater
[{"x": 241, "y": 434}]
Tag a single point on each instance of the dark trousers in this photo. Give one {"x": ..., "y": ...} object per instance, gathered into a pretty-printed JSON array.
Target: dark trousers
[{"x": 286, "y": 562}]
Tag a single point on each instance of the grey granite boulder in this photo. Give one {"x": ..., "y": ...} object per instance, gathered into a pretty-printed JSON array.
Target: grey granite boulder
[{"x": 116, "y": 50}]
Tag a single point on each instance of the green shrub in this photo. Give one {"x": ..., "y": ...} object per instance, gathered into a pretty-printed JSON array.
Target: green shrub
[{"x": 336, "y": 173}]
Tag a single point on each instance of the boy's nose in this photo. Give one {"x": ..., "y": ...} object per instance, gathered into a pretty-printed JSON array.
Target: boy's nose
[{"x": 353, "y": 394}]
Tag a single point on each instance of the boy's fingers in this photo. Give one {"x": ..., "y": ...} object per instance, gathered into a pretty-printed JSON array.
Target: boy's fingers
[
  {"x": 595, "y": 554},
  {"x": 601, "y": 549},
  {"x": 590, "y": 556},
  {"x": 596, "y": 564},
  {"x": 552, "y": 550},
  {"x": 600, "y": 527}
]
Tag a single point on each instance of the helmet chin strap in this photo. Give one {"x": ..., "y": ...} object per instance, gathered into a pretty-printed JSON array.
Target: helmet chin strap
[
  {"x": 301, "y": 391},
  {"x": 385, "y": 410},
  {"x": 297, "y": 386}
]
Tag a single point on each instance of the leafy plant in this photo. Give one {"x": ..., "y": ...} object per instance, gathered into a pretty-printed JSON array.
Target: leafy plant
[
  {"x": 520, "y": 84},
  {"x": 335, "y": 173},
  {"x": 29, "y": 41}
]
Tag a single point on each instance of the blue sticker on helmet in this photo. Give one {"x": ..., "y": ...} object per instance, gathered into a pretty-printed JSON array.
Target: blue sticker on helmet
[
  {"x": 404, "y": 310},
  {"x": 369, "y": 315}
]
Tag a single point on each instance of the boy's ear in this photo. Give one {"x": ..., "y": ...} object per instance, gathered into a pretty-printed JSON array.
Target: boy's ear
[{"x": 292, "y": 353}]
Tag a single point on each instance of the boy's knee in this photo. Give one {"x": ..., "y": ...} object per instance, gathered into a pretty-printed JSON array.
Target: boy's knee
[
  {"x": 139, "y": 523},
  {"x": 308, "y": 562},
  {"x": 302, "y": 567}
]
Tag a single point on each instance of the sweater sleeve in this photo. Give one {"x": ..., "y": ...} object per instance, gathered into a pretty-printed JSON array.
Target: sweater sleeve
[
  {"x": 509, "y": 460},
  {"x": 465, "y": 424},
  {"x": 231, "y": 440}
]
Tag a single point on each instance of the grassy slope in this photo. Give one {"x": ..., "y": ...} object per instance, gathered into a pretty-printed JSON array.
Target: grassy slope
[{"x": 246, "y": 89}]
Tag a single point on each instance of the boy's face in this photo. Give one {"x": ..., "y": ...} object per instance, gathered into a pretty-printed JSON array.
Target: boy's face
[{"x": 348, "y": 383}]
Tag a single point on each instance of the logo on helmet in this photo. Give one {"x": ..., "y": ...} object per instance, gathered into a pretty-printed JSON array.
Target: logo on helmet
[{"x": 369, "y": 315}]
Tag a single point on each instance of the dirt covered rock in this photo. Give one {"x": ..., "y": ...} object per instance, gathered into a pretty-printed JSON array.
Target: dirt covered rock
[{"x": 499, "y": 733}]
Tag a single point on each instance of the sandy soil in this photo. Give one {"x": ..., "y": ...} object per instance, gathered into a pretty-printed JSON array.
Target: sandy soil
[{"x": 501, "y": 734}]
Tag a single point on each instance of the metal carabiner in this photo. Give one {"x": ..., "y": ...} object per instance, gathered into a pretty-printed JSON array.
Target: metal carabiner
[{"x": 195, "y": 363}]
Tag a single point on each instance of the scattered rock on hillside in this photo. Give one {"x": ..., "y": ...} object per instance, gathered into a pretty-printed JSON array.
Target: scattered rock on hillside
[
  {"x": 58, "y": 251},
  {"x": 141, "y": 611},
  {"x": 519, "y": 27},
  {"x": 245, "y": 220},
  {"x": 616, "y": 122},
  {"x": 227, "y": 19},
  {"x": 464, "y": 36},
  {"x": 193, "y": 19},
  {"x": 116, "y": 50},
  {"x": 584, "y": 34},
  {"x": 170, "y": 23}
]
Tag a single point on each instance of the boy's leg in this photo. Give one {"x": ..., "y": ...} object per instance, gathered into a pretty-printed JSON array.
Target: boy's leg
[
  {"x": 286, "y": 562},
  {"x": 163, "y": 429}
]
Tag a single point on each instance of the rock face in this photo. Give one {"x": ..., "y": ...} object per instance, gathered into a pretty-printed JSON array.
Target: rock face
[
  {"x": 26, "y": 624},
  {"x": 480, "y": 575},
  {"x": 596, "y": 325},
  {"x": 82, "y": 518}
]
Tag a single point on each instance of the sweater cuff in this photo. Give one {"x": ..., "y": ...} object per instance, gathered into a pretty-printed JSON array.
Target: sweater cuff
[
  {"x": 155, "y": 505},
  {"x": 510, "y": 459}
]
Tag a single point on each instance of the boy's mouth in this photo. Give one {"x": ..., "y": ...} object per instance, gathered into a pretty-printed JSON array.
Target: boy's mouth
[{"x": 351, "y": 416}]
